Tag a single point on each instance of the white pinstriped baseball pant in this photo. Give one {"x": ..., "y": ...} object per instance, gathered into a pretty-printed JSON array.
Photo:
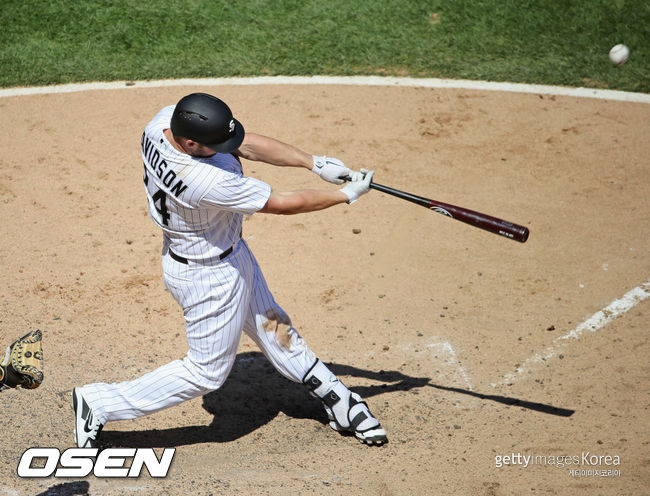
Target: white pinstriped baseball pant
[{"x": 219, "y": 301}]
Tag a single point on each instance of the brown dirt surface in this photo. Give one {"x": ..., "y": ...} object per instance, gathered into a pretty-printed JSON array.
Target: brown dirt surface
[{"x": 427, "y": 318}]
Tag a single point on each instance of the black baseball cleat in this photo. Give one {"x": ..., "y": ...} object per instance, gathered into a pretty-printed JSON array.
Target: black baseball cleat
[{"x": 87, "y": 428}]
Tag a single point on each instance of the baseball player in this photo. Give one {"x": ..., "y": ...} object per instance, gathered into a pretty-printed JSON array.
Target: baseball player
[{"x": 198, "y": 196}]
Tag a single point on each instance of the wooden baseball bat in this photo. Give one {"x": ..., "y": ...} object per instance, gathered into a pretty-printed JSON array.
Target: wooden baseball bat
[{"x": 476, "y": 219}]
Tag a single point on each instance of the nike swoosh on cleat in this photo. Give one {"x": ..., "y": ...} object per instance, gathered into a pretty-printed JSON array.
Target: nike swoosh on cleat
[{"x": 89, "y": 420}]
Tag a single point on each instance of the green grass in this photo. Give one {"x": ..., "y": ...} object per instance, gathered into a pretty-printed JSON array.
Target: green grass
[{"x": 536, "y": 41}]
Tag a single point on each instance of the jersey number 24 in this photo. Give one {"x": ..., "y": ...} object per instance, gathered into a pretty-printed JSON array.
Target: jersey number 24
[{"x": 159, "y": 201}]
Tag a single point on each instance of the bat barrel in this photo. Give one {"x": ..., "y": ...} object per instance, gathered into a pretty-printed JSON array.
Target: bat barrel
[
  {"x": 476, "y": 219},
  {"x": 523, "y": 234}
]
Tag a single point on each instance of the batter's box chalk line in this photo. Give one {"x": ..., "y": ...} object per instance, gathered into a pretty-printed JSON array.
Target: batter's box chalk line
[
  {"x": 441, "y": 356},
  {"x": 594, "y": 323}
]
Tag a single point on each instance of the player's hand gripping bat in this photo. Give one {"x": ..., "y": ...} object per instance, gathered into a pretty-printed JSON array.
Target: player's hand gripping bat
[{"x": 476, "y": 219}]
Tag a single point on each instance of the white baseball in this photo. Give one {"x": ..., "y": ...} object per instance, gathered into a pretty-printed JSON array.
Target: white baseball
[{"x": 619, "y": 54}]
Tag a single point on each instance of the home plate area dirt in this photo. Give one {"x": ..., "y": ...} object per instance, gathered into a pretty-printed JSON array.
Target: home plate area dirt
[{"x": 435, "y": 323}]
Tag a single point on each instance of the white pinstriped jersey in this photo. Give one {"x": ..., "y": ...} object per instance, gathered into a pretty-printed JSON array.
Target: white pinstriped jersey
[{"x": 198, "y": 202}]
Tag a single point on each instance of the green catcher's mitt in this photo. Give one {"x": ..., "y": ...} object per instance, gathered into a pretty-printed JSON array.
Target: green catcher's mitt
[{"x": 22, "y": 365}]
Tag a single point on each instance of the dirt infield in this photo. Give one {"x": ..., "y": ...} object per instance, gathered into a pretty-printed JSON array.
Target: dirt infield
[{"x": 454, "y": 336}]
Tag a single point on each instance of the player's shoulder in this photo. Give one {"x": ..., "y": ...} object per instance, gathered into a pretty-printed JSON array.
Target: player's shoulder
[
  {"x": 161, "y": 120},
  {"x": 210, "y": 171}
]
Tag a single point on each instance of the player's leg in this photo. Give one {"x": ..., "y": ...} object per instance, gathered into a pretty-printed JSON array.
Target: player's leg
[
  {"x": 215, "y": 301},
  {"x": 270, "y": 327},
  {"x": 345, "y": 409}
]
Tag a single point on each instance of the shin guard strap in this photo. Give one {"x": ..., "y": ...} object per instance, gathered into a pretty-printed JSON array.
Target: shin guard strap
[
  {"x": 331, "y": 399},
  {"x": 313, "y": 383},
  {"x": 356, "y": 421}
]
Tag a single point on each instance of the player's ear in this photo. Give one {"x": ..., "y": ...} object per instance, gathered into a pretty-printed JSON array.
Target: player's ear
[{"x": 187, "y": 143}]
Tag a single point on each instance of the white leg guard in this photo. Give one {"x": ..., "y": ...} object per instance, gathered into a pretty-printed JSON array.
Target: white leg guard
[{"x": 345, "y": 409}]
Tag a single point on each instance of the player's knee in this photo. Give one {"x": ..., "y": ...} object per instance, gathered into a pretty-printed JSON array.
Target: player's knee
[
  {"x": 208, "y": 376},
  {"x": 278, "y": 322}
]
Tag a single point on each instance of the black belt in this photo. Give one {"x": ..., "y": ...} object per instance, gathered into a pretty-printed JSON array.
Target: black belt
[{"x": 183, "y": 260}]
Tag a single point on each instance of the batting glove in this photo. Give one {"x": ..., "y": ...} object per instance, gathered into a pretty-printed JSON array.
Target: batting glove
[
  {"x": 331, "y": 170},
  {"x": 358, "y": 185}
]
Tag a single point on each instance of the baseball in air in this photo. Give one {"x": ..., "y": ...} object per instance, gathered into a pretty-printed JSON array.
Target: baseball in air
[{"x": 619, "y": 54}]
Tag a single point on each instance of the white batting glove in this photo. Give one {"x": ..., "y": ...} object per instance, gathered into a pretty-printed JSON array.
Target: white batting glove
[
  {"x": 330, "y": 169},
  {"x": 355, "y": 188},
  {"x": 356, "y": 176}
]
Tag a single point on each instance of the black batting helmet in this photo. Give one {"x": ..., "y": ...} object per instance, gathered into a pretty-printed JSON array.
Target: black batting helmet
[{"x": 208, "y": 121}]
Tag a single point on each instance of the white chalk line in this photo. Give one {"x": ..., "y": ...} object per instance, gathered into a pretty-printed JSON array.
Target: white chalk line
[
  {"x": 338, "y": 80},
  {"x": 449, "y": 358},
  {"x": 453, "y": 360},
  {"x": 594, "y": 323},
  {"x": 597, "y": 321}
]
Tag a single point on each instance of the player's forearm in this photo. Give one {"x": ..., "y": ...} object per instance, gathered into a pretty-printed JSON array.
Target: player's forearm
[
  {"x": 264, "y": 149},
  {"x": 302, "y": 201}
]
